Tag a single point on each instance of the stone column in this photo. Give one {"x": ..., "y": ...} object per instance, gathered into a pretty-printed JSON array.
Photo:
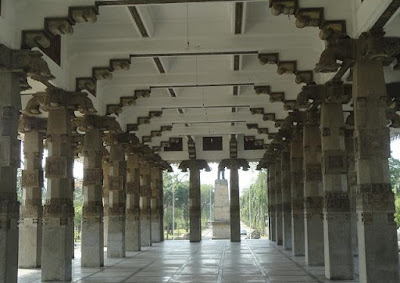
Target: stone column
[
  {"x": 161, "y": 202},
  {"x": 377, "y": 239},
  {"x": 313, "y": 200},
  {"x": 286, "y": 198},
  {"x": 297, "y": 191},
  {"x": 155, "y": 207},
  {"x": 132, "y": 228},
  {"x": 10, "y": 104},
  {"x": 116, "y": 204},
  {"x": 58, "y": 211},
  {"x": 92, "y": 215},
  {"x": 278, "y": 202},
  {"x": 106, "y": 169},
  {"x": 337, "y": 229},
  {"x": 234, "y": 202},
  {"x": 271, "y": 199},
  {"x": 30, "y": 227},
  {"x": 195, "y": 203},
  {"x": 145, "y": 205},
  {"x": 352, "y": 185}
]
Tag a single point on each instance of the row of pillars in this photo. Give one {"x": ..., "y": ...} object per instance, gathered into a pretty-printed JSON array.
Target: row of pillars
[
  {"x": 128, "y": 182},
  {"x": 194, "y": 166},
  {"x": 329, "y": 186}
]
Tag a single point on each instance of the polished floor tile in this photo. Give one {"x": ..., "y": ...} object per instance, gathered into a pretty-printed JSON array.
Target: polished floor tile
[{"x": 208, "y": 261}]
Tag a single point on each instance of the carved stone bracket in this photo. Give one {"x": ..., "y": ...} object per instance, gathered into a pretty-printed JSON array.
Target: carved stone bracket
[
  {"x": 233, "y": 163},
  {"x": 103, "y": 123},
  {"x": 196, "y": 164},
  {"x": 25, "y": 62},
  {"x": 55, "y": 98}
]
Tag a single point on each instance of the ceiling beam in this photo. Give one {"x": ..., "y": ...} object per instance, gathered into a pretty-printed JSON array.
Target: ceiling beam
[{"x": 160, "y": 2}]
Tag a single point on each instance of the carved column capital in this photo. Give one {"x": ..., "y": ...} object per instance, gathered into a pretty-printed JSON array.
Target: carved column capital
[
  {"x": 26, "y": 62},
  {"x": 102, "y": 123},
  {"x": 194, "y": 164},
  {"x": 234, "y": 163},
  {"x": 28, "y": 124},
  {"x": 55, "y": 98}
]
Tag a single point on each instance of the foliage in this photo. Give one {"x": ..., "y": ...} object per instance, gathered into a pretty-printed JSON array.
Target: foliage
[
  {"x": 78, "y": 204},
  {"x": 206, "y": 192},
  {"x": 176, "y": 185},
  {"x": 394, "y": 170},
  {"x": 253, "y": 204}
]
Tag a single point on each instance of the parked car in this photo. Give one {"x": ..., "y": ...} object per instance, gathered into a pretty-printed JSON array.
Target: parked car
[
  {"x": 243, "y": 232},
  {"x": 255, "y": 234}
]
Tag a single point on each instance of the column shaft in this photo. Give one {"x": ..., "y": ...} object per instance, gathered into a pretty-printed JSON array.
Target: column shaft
[
  {"x": 106, "y": 170},
  {"x": 195, "y": 204},
  {"x": 297, "y": 192},
  {"x": 133, "y": 242},
  {"x": 145, "y": 205},
  {"x": 234, "y": 205},
  {"x": 271, "y": 199},
  {"x": 30, "y": 227},
  {"x": 10, "y": 104},
  {"x": 161, "y": 203},
  {"x": 286, "y": 199},
  {"x": 92, "y": 247},
  {"x": 116, "y": 204},
  {"x": 352, "y": 187},
  {"x": 337, "y": 229},
  {"x": 155, "y": 208},
  {"x": 377, "y": 239},
  {"x": 58, "y": 212},
  {"x": 313, "y": 201},
  {"x": 278, "y": 202}
]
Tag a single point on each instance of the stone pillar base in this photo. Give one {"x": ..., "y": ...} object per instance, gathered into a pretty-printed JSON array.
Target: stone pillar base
[
  {"x": 314, "y": 243},
  {"x": 132, "y": 233},
  {"x": 155, "y": 230},
  {"x": 298, "y": 233},
  {"x": 8, "y": 248},
  {"x": 338, "y": 251},
  {"x": 116, "y": 237},
  {"x": 145, "y": 228},
  {"x": 57, "y": 250},
  {"x": 235, "y": 225},
  {"x": 92, "y": 243},
  {"x": 30, "y": 243},
  {"x": 287, "y": 230},
  {"x": 272, "y": 226},
  {"x": 278, "y": 228},
  {"x": 195, "y": 228}
]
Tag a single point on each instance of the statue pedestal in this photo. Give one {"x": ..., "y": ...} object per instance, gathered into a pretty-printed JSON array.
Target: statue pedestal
[{"x": 221, "y": 224}]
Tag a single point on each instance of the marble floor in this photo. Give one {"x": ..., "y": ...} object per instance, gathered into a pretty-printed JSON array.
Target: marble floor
[{"x": 208, "y": 261}]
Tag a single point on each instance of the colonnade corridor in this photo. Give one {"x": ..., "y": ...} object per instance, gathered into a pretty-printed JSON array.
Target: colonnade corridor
[
  {"x": 207, "y": 261},
  {"x": 307, "y": 89}
]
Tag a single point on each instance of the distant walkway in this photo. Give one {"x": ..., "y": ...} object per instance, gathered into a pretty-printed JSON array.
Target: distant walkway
[{"x": 208, "y": 261}]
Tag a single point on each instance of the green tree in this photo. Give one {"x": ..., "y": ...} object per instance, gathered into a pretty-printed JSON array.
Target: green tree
[
  {"x": 394, "y": 170},
  {"x": 254, "y": 203},
  {"x": 176, "y": 186},
  {"x": 207, "y": 196}
]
